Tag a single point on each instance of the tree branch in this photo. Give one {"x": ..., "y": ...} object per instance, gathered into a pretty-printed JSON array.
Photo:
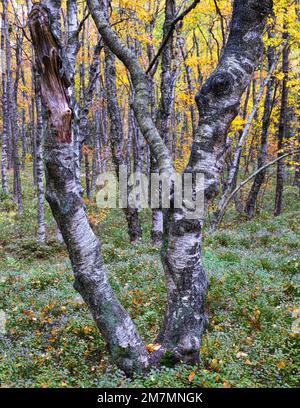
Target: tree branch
[{"x": 169, "y": 33}]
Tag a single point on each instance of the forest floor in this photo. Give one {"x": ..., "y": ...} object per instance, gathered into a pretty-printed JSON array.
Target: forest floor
[{"x": 50, "y": 339}]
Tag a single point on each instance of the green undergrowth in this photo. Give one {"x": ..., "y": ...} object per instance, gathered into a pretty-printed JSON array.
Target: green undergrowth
[{"x": 48, "y": 338}]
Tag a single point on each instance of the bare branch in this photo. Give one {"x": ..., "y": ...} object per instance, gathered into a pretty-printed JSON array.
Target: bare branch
[{"x": 172, "y": 28}]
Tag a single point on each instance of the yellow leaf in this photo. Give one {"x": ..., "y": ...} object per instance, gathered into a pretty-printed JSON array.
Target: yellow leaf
[
  {"x": 214, "y": 363},
  {"x": 257, "y": 313},
  {"x": 240, "y": 354},
  {"x": 227, "y": 385},
  {"x": 153, "y": 347},
  {"x": 281, "y": 365},
  {"x": 87, "y": 330},
  {"x": 28, "y": 158}
]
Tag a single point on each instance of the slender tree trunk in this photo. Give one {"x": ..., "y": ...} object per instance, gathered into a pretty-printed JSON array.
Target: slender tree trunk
[
  {"x": 87, "y": 173},
  {"x": 24, "y": 127},
  {"x": 218, "y": 102},
  {"x": 62, "y": 193},
  {"x": 188, "y": 72},
  {"x": 297, "y": 172},
  {"x": 98, "y": 137},
  {"x": 86, "y": 100},
  {"x": 71, "y": 51},
  {"x": 41, "y": 231},
  {"x": 117, "y": 139},
  {"x": 282, "y": 129},
  {"x": 263, "y": 153},
  {"x": 33, "y": 130},
  {"x": 297, "y": 160},
  {"x": 5, "y": 112},
  {"x": 163, "y": 115},
  {"x": 14, "y": 87}
]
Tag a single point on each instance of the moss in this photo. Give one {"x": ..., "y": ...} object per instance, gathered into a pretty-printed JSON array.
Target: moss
[
  {"x": 169, "y": 359},
  {"x": 52, "y": 340}
]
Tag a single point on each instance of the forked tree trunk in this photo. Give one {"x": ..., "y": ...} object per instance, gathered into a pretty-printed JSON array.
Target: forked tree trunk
[
  {"x": 5, "y": 112},
  {"x": 218, "y": 102}
]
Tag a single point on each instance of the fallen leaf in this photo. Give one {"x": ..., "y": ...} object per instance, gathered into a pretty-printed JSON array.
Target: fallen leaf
[
  {"x": 87, "y": 330},
  {"x": 192, "y": 376},
  {"x": 240, "y": 354},
  {"x": 153, "y": 347}
]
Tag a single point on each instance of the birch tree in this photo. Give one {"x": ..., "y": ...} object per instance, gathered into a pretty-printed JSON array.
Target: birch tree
[
  {"x": 218, "y": 103},
  {"x": 5, "y": 111},
  {"x": 282, "y": 129},
  {"x": 263, "y": 153}
]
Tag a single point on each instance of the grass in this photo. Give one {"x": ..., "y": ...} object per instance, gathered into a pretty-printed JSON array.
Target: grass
[{"x": 50, "y": 339}]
